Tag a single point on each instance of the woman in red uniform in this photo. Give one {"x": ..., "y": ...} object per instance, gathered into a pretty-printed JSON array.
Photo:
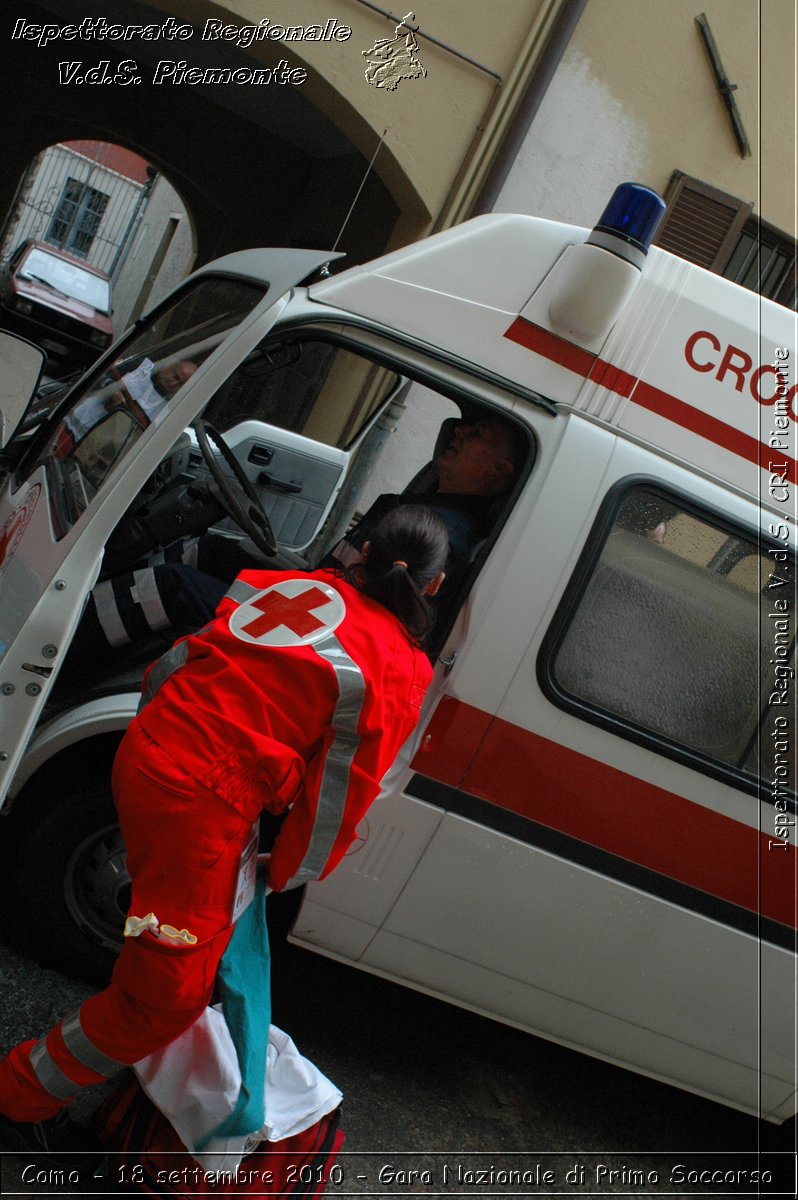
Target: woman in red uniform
[{"x": 295, "y": 699}]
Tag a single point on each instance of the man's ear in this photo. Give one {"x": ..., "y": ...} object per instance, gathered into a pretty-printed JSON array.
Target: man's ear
[
  {"x": 432, "y": 588},
  {"x": 498, "y": 476},
  {"x": 503, "y": 467}
]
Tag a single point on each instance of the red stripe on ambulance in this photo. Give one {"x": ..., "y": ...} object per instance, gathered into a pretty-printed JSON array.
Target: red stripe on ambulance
[
  {"x": 605, "y": 807},
  {"x": 725, "y": 362}
]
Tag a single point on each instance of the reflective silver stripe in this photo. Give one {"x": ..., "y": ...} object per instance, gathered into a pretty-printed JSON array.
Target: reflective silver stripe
[
  {"x": 108, "y": 614},
  {"x": 166, "y": 665},
  {"x": 145, "y": 593},
  {"x": 335, "y": 777},
  {"x": 85, "y": 1051},
  {"x": 241, "y": 592},
  {"x": 51, "y": 1077},
  {"x": 190, "y": 552}
]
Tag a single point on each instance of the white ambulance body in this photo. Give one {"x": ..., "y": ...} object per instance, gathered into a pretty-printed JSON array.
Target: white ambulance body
[{"x": 592, "y": 836}]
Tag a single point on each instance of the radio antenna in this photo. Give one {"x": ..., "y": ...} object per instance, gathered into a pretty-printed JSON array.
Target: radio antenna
[{"x": 325, "y": 270}]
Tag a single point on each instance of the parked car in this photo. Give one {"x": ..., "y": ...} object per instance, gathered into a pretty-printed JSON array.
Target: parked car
[{"x": 57, "y": 301}]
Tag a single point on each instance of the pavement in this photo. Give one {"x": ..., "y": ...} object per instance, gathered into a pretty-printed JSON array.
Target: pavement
[{"x": 440, "y": 1101}]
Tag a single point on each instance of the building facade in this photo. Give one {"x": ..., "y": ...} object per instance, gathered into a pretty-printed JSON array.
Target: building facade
[
  {"x": 283, "y": 127},
  {"x": 703, "y": 111},
  {"x": 700, "y": 107}
]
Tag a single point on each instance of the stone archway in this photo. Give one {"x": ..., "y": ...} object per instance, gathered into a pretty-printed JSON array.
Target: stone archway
[
  {"x": 112, "y": 209},
  {"x": 264, "y": 167}
]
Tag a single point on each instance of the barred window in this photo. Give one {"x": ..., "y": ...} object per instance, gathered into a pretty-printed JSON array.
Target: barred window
[
  {"x": 765, "y": 261},
  {"x": 77, "y": 217}
]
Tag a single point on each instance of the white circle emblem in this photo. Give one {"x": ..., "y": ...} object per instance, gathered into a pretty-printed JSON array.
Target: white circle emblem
[
  {"x": 16, "y": 524},
  {"x": 294, "y": 612}
]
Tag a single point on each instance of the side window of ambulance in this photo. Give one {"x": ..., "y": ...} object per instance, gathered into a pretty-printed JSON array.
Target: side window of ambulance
[
  {"x": 676, "y": 631},
  {"x": 310, "y": 387}
]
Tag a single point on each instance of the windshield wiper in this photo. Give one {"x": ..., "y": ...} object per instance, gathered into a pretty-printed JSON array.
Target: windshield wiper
[{"x": 47, "y": 284}]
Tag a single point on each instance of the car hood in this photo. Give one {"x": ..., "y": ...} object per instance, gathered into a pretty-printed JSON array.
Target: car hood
[{"x": 67, "y": 305}]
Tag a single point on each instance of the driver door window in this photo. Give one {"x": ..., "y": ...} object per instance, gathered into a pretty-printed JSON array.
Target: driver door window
[
  {"x": 313, "y": 388},
  {"x": 293, "y": 414}
]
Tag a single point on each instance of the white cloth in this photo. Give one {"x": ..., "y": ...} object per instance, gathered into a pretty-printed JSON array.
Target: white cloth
[
  {"x": 195, "y": 1082},
  {"x": 140, "y": 387}
]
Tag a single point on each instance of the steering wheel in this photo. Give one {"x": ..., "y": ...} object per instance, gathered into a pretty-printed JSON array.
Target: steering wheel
[{"x": 239, "y": 498}]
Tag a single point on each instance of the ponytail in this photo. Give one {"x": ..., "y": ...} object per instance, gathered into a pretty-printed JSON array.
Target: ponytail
[{"x": 407, "y": 550}]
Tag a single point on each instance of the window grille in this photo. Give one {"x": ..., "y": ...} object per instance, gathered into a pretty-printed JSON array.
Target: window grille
[{"x": 77, "y": 217}]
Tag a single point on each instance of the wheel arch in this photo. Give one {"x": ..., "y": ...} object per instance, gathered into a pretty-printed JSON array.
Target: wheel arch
[
  {"x": 64, "y": 737},
  {"x": 81, "y": 742}
]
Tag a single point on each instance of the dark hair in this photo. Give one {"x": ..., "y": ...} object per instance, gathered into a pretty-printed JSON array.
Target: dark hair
[
  {"x": 515, "y": 443},
  {"x": 407, "y": 549}
]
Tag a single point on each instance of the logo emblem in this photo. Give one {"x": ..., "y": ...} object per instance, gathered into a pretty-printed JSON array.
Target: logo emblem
[
  {"x": 393, "y": 59},
  {"x": 294, "y": 612}
]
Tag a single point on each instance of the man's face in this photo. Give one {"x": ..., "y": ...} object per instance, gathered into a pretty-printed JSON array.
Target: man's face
[
  {"x": 169, "y": 379},
  {"x": 477, "y": 460}
]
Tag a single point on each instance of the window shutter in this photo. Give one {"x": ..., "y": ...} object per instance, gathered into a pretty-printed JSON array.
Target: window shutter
[{"x": 701, "y": 224}]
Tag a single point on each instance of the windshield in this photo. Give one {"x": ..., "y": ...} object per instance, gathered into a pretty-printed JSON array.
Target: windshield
[
  {"x": 111, "y": 411},
  {"x": 68, "y": 278}
]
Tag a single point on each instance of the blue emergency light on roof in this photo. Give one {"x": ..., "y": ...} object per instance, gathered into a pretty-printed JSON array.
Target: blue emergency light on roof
[
  {"x": 591, "y": 283},
  {"x": 633, "y": 215}
]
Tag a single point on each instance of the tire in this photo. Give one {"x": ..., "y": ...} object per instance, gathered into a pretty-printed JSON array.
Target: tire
[
  {"x": 70, "y": 879},
  {"x": 68, "y": 874}
]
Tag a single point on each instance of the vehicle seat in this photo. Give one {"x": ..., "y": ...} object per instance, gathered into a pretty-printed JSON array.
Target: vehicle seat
[{"x": 425, "y": 481}]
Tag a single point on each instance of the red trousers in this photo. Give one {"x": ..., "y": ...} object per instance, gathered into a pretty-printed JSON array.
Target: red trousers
[{"x": 184, "y": 847}]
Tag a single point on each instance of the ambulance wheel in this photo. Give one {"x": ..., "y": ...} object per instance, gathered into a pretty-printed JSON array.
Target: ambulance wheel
[
  {"x": 70, "y": 879},
  {"x": 69, "y": 876}
]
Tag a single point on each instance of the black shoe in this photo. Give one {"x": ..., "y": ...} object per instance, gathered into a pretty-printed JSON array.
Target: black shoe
[{"x": 58, "y": 1140}]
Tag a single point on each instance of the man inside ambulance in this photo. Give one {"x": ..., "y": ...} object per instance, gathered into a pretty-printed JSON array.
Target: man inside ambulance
[
  {"x": 478, "y": 462},
  {"x": 475, "y": 465}
]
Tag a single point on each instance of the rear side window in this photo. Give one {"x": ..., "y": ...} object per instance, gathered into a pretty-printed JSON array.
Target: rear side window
[{"x": 679, "y": 630}]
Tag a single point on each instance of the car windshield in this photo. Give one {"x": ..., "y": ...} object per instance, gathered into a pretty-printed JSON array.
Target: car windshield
[
  {"x": 104, "y": 417},
  {"x": 68, "y": 278}
]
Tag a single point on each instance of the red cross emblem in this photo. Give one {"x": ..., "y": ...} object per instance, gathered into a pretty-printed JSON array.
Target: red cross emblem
[
  {"x": 281, "y": 610},
  {"x": 294, "y": 612}
]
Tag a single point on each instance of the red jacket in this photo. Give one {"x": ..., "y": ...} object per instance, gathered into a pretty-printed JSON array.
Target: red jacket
[{"x": 300, "y": 693}]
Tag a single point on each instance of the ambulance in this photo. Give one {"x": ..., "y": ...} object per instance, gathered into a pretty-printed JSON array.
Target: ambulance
[{"x": 592, "y": 835}]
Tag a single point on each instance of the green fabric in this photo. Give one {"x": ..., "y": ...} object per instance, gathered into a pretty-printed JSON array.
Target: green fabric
[{"x": 245, "y": 994}]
